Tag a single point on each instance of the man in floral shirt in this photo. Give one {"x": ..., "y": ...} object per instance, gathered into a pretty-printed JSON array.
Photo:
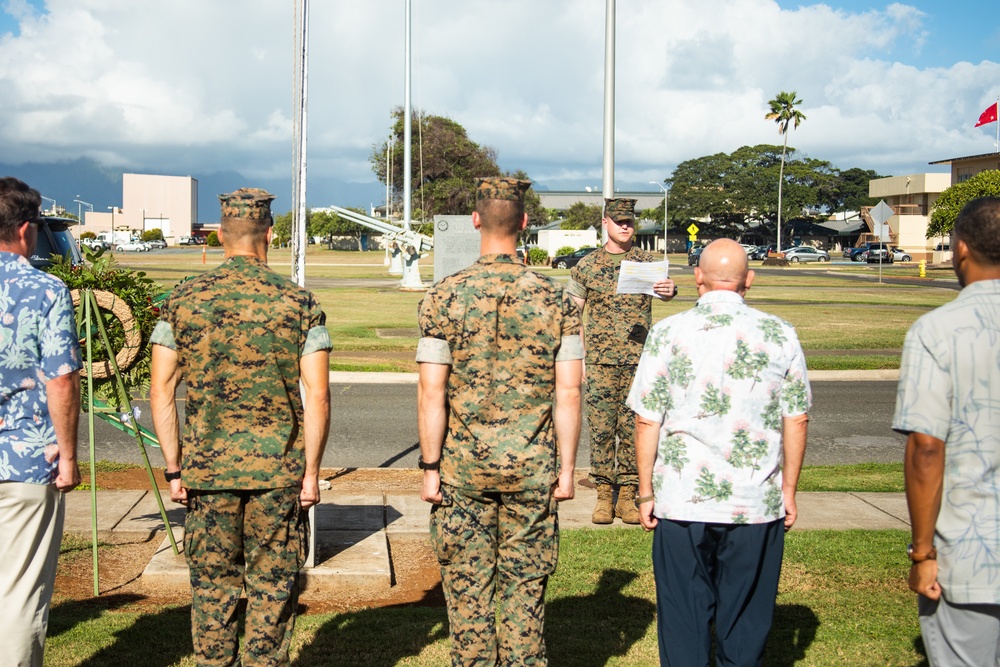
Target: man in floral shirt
[
  {"x": 721, "y": 400},
  {"x": 39, "y": 408}
]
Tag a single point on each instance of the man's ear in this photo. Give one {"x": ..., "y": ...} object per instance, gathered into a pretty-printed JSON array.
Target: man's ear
[
  {"x": 218, "y": 235},
  {"x": 476, "y": 222},
  {"x": 524, "y": 223},
  {"x": 751, "y": 274}
]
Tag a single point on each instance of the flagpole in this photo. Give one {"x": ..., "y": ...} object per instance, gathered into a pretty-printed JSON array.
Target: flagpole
[{"x": 997, "y": 114}]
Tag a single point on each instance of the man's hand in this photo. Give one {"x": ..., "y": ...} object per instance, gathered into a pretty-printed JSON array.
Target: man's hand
[
  {"x": 68, "y": 475},
  {"x": 430, "y": 492},
  {"x": 565, "y": 489},
  {"x": 309, "y": 495},
  {"x": 178, "y": 493},
  {"x": 665, "y": 289},
  {"x": 923, "y": 579},
  {"x": 791, "y": 511},
  {"x": 646, "y": 518}
]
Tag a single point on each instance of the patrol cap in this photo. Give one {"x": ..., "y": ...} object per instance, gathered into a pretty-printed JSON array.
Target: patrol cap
[
  {"x": 500, "y": 187},
  {"x": 247, "y": 204},
  {"x": 622, "y": 208}
]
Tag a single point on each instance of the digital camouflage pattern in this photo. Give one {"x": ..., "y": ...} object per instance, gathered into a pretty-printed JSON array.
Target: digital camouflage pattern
[
  {"x": 611, "y": 316},
  {"x": 263, "y": 533},
  {"x": 720, "y": 377},
  {"x": 247, "y": 204},
  {"x": 504, "y": 325},
  {"x": 612, "y": 460},
  {"x": 510, "y": 189},
  {"x": 239, "y": 331},
  {"x": 513, "y": 537},
  {"x": 621, "y": 208}
]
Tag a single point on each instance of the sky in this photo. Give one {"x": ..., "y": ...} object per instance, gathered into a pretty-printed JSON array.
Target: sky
[{"x": 190, "y": 87}]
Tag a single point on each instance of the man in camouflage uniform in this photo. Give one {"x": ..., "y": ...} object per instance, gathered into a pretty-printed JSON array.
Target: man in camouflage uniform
[
  {"x": 498, "y": 409},
  {"x": 243, "y": 338},
  {"x": 616, "y": 329}
]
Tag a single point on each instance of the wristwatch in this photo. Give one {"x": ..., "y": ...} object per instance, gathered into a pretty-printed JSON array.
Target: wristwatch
[
  {"x": 424, "y": 465},
  {"x": 171, "y": 476},
  {"x": 920, "y": 558}
]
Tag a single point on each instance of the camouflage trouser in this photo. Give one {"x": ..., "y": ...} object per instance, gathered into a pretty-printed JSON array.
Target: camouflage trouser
[
  {"x": 233, "y": 540},
  {"x": 502, "y": 544},
  {"x": 609, "y": 416}
]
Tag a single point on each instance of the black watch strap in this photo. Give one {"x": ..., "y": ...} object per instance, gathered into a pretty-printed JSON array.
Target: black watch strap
[
  {"x": 424, "y": 465},
  {"x": 171, "y": 476}
]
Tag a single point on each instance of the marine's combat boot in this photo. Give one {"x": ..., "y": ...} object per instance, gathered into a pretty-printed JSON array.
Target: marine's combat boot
[
  {"x": 625, "y": 508},
  {"x": 603, "y": 512}
]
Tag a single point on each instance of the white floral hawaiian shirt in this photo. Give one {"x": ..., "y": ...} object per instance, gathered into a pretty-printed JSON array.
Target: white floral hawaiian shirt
[
  {"x": 949, "y": 388},
  {"x": 719, "y": 378},
  {"x": 38, "y": 342}
]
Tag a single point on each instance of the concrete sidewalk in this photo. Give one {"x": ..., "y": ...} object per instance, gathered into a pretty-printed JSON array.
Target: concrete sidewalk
[{"x": 355, "y": 531}]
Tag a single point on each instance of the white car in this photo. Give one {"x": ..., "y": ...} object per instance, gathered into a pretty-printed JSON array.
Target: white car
[
  {"x": 804, "y": 253},
  {"x": 132, "y": 246}
]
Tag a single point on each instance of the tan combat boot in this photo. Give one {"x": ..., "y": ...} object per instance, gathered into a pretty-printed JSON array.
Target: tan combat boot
[
  {"x": 603, "y": 512},
  {"x": 625, "y": 508}
]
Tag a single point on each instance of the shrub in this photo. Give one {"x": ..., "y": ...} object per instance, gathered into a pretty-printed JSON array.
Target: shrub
[
  {"x": 88, "y": 235},
  {"x": 152, "y": 235},
  {"x": 565, "y": 250},
  {"x": 538, "y": 256},
  {"x": 213, "y": 240}
]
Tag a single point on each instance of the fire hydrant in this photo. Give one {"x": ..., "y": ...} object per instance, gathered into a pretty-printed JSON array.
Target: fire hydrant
[{"x": 923, "y": 268}]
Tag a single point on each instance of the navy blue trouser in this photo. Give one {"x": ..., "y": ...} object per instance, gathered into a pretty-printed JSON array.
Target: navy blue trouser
[{"x": 709, "y": 572}]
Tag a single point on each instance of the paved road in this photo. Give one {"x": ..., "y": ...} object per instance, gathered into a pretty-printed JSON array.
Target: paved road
[{"x": 375, "y": 425}]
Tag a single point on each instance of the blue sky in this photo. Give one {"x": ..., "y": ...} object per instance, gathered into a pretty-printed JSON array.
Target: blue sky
[{"x": 192, "y": 87}]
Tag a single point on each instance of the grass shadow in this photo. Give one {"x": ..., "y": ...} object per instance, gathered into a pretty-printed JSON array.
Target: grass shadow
[
  {"x": 587, "y": 631},
  {"x": 377, "y": 637},
  {"x": 793, "y": 630}
]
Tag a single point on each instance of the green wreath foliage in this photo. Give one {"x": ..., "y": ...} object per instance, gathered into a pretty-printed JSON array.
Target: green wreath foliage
[{"x": 142, "y": 294}]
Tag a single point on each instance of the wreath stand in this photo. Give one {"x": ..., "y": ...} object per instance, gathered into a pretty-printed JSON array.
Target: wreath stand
[{"x": 88, "y": 320}]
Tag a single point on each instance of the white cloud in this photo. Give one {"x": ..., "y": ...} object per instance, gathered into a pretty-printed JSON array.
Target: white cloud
[{"x": 201, "y": 87}]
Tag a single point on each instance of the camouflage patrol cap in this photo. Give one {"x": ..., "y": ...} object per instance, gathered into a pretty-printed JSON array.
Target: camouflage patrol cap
[
  {"x": 247, "y": 204},
  {"x": 498, "y": 187},
  {"x": 619, "y": 209}
]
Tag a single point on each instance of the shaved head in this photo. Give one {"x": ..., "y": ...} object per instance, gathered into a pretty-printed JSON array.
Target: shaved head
[{"x": 723, "y": 266}]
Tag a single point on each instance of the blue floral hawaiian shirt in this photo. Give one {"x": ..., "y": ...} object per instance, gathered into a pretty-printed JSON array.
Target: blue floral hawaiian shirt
[{"x": 38, "y": 342}]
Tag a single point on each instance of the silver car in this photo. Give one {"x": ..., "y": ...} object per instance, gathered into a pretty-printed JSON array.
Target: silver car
[{"x": 804, "y": 253}]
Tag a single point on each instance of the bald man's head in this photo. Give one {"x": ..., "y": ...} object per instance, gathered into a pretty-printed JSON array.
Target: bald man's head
[{"x": 723, "y": 266}]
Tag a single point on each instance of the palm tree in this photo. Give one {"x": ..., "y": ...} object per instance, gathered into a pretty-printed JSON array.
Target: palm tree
[{"x": 783, "y": 112}]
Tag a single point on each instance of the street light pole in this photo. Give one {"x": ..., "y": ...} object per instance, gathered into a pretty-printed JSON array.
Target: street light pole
[
  {"x": 79, "y": 208},
  {"x": 51, "y": 200},
  {"x": 666, "y": 245}
]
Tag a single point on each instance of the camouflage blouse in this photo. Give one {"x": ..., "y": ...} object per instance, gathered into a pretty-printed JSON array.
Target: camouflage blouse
[
  {"x": 501, "y": 327},
  {"x": 239, "y": 332},
  {"x": 611, "y": 316}
]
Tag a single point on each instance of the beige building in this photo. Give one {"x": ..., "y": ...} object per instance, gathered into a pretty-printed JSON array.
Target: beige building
[
  {"x": 911, "y": 198},
  {"x": 964, "y": 168},
  {"x": 167, "y": 203}
]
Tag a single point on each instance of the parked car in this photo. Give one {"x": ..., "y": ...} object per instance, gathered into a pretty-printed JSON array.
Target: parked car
[
  {"x": 191, "y": 240},
  {"x": 156, "y": 243},
  {"x": 858, "y": 254},
  {"x": 805, "y": 253},
  {"x": 900, "y": 255},
  {"x": 132, "y": 246},
  {"x": 572, "y": 259},
  {"x": 878, "y": 253},
  {"x": 760, "y": 252},
  {"x": 695, "y": 255},
  {"x": 54, "y": 238},
  {"x": 93, "y": 244}
]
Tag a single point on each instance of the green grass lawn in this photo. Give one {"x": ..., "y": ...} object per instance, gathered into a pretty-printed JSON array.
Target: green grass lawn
[
  {"x": 842, "y": 601},
  {"x": 831, "y": 311}
]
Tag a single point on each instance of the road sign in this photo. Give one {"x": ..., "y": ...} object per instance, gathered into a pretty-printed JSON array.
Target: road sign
[
  {"x": 693, "y": 238},
  {"x": 693, "y": 229}
]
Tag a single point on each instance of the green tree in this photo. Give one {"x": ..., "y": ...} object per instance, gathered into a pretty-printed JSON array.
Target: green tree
[
  {"x": 152, "y": 235},
  {"x": 784, "y": 113},
  {"x": 582, "y": 216},
  {"x": 281, "y": 230},
  {"x": 953, "y": 199},
  {"x": 850, "y": 190},
  {"x": 213, "y": 239},
  {"x": 445, "y": 164},
  {"x": 328, "y": 224}
]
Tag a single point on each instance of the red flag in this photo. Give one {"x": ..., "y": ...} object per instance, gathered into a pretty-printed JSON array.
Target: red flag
[{"x": 988, "y": 116}]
